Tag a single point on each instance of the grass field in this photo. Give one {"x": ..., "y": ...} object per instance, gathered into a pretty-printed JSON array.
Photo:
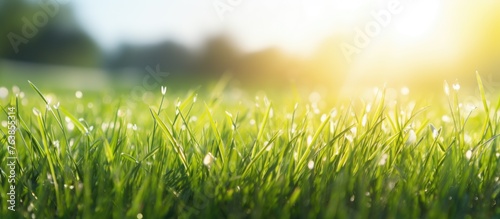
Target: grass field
[{"x": 227, "y": 154}]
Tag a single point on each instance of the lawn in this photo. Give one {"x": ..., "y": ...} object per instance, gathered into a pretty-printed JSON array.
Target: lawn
[{"x": 219, "y": 152}]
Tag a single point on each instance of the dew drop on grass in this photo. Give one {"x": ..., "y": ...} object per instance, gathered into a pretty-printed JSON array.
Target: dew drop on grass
[
  {"x": 446, "y": 88},
  {"x": 16, "y": 89},
  {"x": 208, "y": 160},
  {"x": 56, "y": 144},
  {"x": 349, "y": 137},
  {"x": 405, "y": 91},
  {"x": 4, "y": 92},
  {"x": 31, "y": 207},
  {"x": 36, "y": 112},
  {"x": 193, "y": 119},
  {"x": 383, "y": 160},
  {"x": 446, "y": 118},
  {"x": 364, "y": 120},
  {"x": 310, "y": 165},
  {"x": 139, "y": 216},
  {"x": 309, "y": 139},
  {"x": 354, "y": 131},
  {"x": 323, "y": 117},
  {"x": 435, "y": 132},
  {"x": 78, "y": 94},
  {"x": 120, "y": 113},
  {"x": 104, "y": 126},
  {"x": 412, "y": 137},
  {"x": 70, "y": 126},
  {"x": 314, "y": 97},
  {"x": 467, "y": 139},
  {"x": 333, "y": 114},
  {"x": 468, "y": 154}
]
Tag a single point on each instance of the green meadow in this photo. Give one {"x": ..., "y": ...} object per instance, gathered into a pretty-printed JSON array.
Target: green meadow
[{"x": 220, "y": 152}]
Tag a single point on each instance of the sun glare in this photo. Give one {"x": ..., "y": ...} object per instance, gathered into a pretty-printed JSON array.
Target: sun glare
[
  {"x": 417, "y": 20},
  {"x": 348, "y": 4}
]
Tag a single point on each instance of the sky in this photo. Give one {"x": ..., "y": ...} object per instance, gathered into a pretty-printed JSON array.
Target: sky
[{"x": 293, "y": 25}]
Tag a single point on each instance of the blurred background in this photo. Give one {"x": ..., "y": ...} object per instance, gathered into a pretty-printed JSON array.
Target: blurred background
[{"x": 339, "y": 45}]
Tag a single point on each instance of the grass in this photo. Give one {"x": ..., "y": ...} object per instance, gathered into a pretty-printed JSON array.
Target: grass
[{"x": 226, "y": 154}]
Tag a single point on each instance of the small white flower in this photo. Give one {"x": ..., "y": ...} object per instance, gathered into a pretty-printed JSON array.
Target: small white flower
[
  {"x": 163, "y": 90},
  {"x": 456, "y": 86}
]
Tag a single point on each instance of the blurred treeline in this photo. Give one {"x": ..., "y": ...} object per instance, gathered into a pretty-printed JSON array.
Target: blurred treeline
[{"x": 62, "y": 42}]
